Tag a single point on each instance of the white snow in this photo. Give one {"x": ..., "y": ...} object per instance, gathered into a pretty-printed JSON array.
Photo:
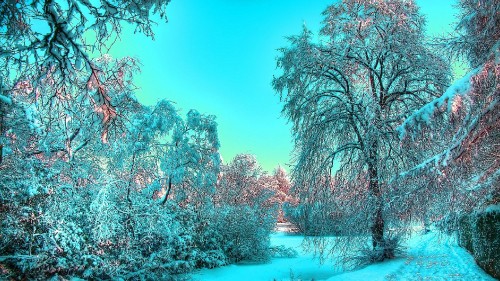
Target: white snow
[
  {"x": 493, "y": 209},
  {"x": 429, "y": 257},
  {"x": 302, "y": 267}
]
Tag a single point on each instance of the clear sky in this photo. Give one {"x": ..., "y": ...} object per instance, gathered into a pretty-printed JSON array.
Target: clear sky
[{"x": 218, "y": 57}]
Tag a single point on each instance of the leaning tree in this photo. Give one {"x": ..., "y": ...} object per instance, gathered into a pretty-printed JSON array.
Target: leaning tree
[
  {"x": 457, "y": 134},
  {"x": 345, "y": 95}
]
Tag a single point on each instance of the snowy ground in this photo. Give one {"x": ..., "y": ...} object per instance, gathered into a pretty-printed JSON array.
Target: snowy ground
[{"x": 429, "y": 257}]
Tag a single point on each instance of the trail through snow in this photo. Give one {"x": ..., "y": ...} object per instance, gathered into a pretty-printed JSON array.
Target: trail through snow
[{"x": 429, "y": 257}]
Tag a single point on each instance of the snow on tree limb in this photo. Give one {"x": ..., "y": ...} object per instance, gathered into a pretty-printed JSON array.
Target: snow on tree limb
[
  {"x": 426, "y": 112},
  {"x": 460, "y": 139},
  {"x": 5, "y": 99}
]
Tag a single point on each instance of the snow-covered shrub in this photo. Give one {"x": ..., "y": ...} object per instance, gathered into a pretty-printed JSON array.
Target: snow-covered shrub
[
  {"x": 153, "y": 239},
  {"x": 448, "y": 224},
  {"x": 103, "y": 215},
  {"x": 244, "y": 214},
  {"x": 209, "y": 241},
  {"x": 313, "y": 219},
  {"x": 66, "y": 248},
  {"x": 211, "y": 259},
  {"x": 282, "y": 251},
  {"x": 245, "y": 233},
  {"x": 391, "y": 248},
  {"x": 478, "y": 233},
  {"x": 19, "y": 240},
  {"x": 229, "y": 234}
]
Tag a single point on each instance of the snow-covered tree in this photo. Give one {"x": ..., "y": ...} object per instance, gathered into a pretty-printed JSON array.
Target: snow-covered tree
[
  {"x": 191, "y": 159},
  {"x": 455, "y": 136},
  {"x": 282, "y": 194},
  {"x": 55, "y": 37},
  {"x": 346, "y": 94},
  {"x": 99, "y": 214},
  {"x": 47, "y": 49},
  {"x": 239, "y": 183},
  {"x": 282, "y": 183},
  {"x": 86, "y": 169},
  {"x": 476, "y": 34}
]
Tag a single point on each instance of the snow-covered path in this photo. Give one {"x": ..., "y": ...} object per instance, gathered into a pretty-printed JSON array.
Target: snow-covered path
[{"x": 429, "y": 257}]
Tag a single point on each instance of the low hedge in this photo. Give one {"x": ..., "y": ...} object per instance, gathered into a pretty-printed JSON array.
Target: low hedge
[{"x": 479, "y": 233}]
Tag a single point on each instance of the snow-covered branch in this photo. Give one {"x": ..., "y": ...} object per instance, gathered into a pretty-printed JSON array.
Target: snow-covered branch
[
  {"x": 5, "y": 99},
  {"x": 425, "y": 114}
]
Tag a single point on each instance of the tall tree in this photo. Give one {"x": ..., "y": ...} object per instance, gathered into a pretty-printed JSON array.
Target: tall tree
[
  {"x": 346, "y": 94},
  {"x": 282, "y": 190}
]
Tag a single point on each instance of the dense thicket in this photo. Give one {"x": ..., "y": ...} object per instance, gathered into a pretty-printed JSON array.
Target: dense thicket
[
  {"x": 154, "y": 201},
  {"x": 96, "y": 185}
]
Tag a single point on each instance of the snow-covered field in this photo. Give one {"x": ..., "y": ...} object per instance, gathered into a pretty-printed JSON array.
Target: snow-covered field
[{"x": 429, "y": 257}]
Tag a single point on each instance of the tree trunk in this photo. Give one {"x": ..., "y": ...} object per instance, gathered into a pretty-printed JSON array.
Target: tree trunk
[
  {"x": 2, "y": 114},
  {"x": 377, "y": 228},
  {"x": 378, "y": 220},
  {"x": 168, "y": 190}
]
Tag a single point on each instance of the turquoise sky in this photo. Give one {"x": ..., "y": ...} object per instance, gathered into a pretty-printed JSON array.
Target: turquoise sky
[{"x": 218, "y": 57}]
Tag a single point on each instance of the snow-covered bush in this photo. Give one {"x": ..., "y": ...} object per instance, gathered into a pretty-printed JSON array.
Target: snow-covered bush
[
  {"x": 245, "y": 232},
  {"x": 282, "y": 251},
  {"x": 144, "y": 236},
  {"x": 478, "y": 233},
  {"x": 244, "y": 214},
  {"x": 233, "y": 233},
  {"x": 230, "y": 234},
  {"x": 391, "y": 248},
  {"x": 208, "y": 239},
  {"x": 98, "y": 213},
  {"x": 448, "y": 224},
  {"x": 313, "y": 219},
  {"x": 465, "y": 233},
  {"x": 211, "y": 259}
]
